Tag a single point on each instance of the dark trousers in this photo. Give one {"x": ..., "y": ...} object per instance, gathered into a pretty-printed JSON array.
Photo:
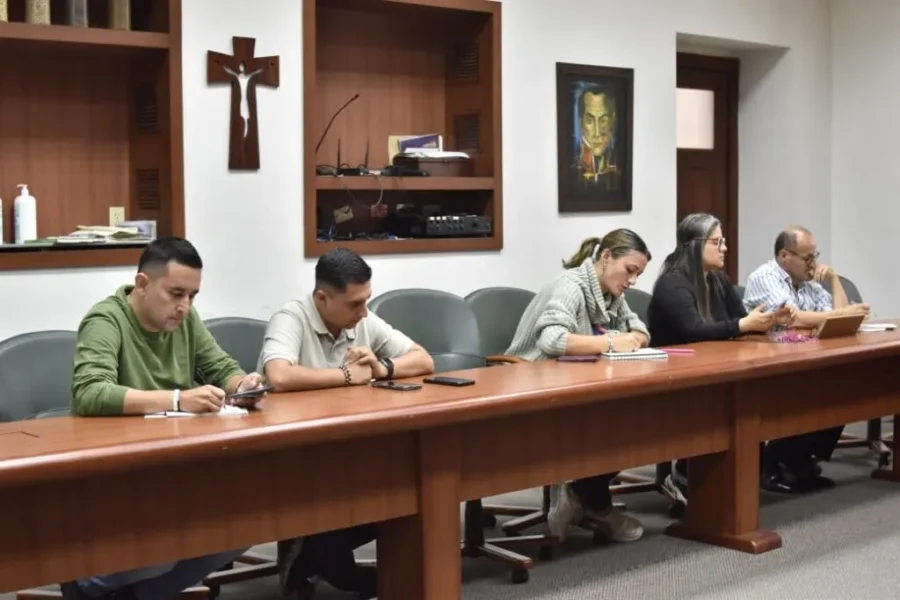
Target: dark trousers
[
  {"x": 593, "y": 492},
  {"x": 328, "y": 555},
  {"x": 797, "y": 453}
]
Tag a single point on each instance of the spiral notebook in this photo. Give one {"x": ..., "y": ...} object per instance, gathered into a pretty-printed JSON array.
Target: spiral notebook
[{"x": 640, "y": 354}]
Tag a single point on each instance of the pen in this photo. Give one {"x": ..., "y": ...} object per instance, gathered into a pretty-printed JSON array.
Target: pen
[{"x": 678, "y": 350}]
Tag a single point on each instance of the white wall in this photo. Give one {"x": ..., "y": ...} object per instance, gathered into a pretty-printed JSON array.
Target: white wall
[
  {"x": 254, "y": 253},
  {"x": 865, "y": 128}
]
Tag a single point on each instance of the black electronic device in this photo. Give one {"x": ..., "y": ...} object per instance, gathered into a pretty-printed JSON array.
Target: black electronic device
[
  {"x": 401, "y": 171},
  {"x": 254, "y": 393},
  {"x": 452, "y": 381},
  {"x": 399, "y": 387},
  {"x": 457, "y": 226},
  {"x": 336, "y": 170},
  {"x": 333, "y": 117}
]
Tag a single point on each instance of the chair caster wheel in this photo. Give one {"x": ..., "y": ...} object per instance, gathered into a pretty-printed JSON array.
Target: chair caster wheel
[
  {"x": 884, "y": 459},
  {"x": 678, "y": 510},
  {"x": 489, "y": 520},
  {"x": 520, "y": 576},
  {"x": 214, "y": 591}
]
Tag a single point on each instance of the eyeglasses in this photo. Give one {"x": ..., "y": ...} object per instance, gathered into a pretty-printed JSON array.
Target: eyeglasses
[
  {"x": 720, "y": 242},
  {"x": 809, "y": 259}
]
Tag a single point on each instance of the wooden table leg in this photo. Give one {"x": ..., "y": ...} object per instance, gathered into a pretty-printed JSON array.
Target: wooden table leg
[
  {"x": 892, "y": 474},
  {"x": 723, "y": 489},
  {"x": 418, "y": 556}
]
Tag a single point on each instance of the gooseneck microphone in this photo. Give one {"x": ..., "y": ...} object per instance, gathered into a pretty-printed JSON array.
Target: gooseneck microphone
[{"x": 339, "y": 111}]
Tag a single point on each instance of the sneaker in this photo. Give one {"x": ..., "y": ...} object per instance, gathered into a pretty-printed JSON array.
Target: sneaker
[
  {"x": 565, "y": 510},
  {"x": 675, "y": 490},
  {"x": 617, "y": 525}
]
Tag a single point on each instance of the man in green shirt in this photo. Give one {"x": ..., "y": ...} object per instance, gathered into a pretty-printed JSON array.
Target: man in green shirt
[{"x": 145, "y": 350}]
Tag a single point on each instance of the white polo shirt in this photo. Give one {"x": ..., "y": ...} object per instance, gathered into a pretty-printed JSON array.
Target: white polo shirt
[{"x": 297, "y": 334}]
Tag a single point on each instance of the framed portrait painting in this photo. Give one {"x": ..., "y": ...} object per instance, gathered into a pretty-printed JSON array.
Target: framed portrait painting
[{"x": 594, "y": 123}]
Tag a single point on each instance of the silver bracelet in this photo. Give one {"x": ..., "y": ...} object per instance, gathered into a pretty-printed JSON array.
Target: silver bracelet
[{"x": 609, "y": 339}]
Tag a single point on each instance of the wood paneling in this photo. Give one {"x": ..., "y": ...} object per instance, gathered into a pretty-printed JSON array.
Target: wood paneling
[
  {"x": 150, "y": 515},
  {"x": 396, "y": 63},
  {"x": 64, "y": 122},
  {"x": 419, "y": 67},
  {"x": 90, "y": 118}
]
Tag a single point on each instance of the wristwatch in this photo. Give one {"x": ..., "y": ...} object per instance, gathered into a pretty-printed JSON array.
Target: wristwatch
[{"x": 389, "y": 365}]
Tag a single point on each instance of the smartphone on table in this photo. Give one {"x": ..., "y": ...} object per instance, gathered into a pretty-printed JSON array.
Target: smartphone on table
[
  {"x": 589, "y": 358},
  {"x": 399, "y": 387},
  {"x": 452, "y": 381}
]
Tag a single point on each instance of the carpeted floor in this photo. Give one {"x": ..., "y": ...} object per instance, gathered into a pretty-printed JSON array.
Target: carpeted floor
[{"x": 840, "y": 544}]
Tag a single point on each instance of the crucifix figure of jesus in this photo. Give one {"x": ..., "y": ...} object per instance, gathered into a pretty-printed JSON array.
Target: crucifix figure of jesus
[{"x": 243, "y": 71}]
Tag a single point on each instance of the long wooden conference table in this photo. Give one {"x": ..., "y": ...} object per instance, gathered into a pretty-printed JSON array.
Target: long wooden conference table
[{"x": 87, "y": 496}]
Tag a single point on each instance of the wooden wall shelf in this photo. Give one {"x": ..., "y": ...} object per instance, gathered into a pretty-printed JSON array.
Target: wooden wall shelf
[
  {"x": 26, "y": 34},
  {"x": 413, "y": 246},
  {"x": 324, "y": 182},
  {"x": 91, "y": 119},
  {"x": 419, "y": 67},
  {"x": 68, "y": 258}
]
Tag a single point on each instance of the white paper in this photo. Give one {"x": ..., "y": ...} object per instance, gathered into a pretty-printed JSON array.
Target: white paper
[
  {"x": 872, "y": 327},
  {"x": 227, "y": 410}
]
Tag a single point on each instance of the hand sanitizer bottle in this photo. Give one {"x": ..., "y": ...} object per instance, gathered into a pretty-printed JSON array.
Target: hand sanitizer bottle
[{"x": 25, "y": 209}]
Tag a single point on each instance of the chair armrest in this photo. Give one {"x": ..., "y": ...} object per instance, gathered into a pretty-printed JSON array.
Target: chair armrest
[{"x": 502, "y": 359}]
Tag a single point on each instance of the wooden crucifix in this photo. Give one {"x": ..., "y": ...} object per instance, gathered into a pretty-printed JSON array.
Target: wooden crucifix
[{"x": 243, "y": 71}]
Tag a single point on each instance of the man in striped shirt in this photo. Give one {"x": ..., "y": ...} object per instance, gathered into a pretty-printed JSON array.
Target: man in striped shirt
[{"x": 794, "y": 278}]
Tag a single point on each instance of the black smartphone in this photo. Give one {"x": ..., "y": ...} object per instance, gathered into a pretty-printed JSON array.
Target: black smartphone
[
  {"x": 454, "y": 381},
  {"x": 254, "y": 393},
  {"x": 588, "y": 358},
  {"x": 400, "y": 387}
]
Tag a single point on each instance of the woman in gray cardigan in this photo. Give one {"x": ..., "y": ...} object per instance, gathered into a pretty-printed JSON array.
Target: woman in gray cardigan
[{"x": 583, "y": 312}]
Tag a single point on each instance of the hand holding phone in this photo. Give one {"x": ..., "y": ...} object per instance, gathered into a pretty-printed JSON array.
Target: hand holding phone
[{"x": 248, "y": 398}]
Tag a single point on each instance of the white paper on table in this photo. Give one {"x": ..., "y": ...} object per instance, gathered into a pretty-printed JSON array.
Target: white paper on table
[
  {"x": 872, "y": 327},
  {"x": 227, "y": 410}
]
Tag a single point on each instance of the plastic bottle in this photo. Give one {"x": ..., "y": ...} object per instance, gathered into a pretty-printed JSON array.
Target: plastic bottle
[{"x": 25, "y": 209}]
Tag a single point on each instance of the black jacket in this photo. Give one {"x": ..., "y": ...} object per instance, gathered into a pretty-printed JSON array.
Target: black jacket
[{"x": 673, "y": 316}]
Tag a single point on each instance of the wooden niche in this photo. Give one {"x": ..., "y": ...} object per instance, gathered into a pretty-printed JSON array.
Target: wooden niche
[
  {"x": 419, "y": 67},
  {"x": 90, "y": 119}
]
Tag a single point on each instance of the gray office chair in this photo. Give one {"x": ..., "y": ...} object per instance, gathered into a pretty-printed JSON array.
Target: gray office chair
[
  {"x": 497, "y": 311},
  {"x": 444, "y": 324},
  {"x": 36, "y": 374},
  {"x": 880, "y": 445},
  {"x": 240, "y": 337}
]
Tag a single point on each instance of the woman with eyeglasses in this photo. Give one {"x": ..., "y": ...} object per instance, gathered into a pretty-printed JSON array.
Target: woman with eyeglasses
[{"x": 693, "y": 301}]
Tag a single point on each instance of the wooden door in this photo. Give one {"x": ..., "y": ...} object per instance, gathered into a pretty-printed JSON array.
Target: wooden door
[{"x": 708, "y": 170}]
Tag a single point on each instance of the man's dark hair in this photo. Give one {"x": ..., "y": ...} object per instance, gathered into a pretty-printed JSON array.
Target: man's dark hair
[
  {"x": 787, "y": 239},
  {"x": 160, "y": 252},
  {"x": 341, "y": 267}
]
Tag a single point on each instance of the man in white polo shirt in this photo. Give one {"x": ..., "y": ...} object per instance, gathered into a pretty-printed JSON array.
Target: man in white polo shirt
[{"x": 329, "y": 339}]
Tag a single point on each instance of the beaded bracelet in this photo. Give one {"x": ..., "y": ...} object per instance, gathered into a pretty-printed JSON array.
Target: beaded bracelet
[{"x": 347, "y": 379}]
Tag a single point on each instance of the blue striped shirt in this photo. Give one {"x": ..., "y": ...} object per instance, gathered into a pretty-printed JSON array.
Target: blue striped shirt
[{"x": 771, "y": 285}]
